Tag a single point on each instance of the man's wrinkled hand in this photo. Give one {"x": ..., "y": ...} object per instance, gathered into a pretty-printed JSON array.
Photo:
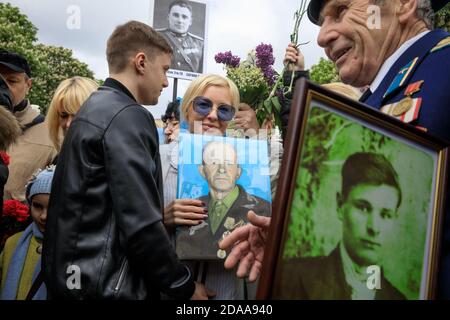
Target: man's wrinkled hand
[{"x": 248, "y": 244}]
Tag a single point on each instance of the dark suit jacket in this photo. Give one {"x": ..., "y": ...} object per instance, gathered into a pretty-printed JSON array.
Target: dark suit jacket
[
  {"x": 202, "y": 244},
  {"x": 433, "y": 67},
  {"x": 322, "y": 278}
]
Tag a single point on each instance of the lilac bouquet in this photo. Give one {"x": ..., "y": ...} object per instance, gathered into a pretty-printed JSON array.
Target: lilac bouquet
[
  {"x": 260, "y": 86},
  {"x": 254, "y": 77}
]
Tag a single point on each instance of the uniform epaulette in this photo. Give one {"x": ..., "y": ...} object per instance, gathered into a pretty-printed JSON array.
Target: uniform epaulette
[
  {"x": 195, "y": 37},
  {"x": 161, "y": 29},
  {"x": 441, "y": 45}
]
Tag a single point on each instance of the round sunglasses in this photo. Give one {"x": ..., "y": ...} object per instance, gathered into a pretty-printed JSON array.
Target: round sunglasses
[{"x": 203, "y": 106}]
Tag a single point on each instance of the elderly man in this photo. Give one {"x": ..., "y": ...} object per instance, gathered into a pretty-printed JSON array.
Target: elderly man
[
  {"x": 33, "y": 149},
  {"x": 404, "y": 64},
  {"x": 187, "y": 47}
]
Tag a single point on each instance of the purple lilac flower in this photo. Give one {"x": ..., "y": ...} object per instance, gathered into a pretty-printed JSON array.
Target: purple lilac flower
[
  {"x": 265, "y": 60},
  {"x": 228, "y": 59},
  {"x": 269, "y": 74},
  {"x": 264, "y": 56}
]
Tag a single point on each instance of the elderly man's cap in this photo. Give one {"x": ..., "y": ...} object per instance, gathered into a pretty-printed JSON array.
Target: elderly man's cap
[
  {"x": 14, "y": 62},
  {"x": 315, "y": 6}
]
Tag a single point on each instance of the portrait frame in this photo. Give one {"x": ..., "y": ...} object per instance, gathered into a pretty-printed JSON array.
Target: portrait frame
[
  {"x": 199, "y": 27},
  {"x": 309, "y": 98}
]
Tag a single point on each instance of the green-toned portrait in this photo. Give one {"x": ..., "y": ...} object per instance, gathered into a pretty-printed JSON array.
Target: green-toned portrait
[{"x": 360, "y": 215}]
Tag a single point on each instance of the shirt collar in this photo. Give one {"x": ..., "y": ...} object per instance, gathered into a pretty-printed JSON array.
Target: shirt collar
[
  {"x": 356, "y": 281},
  {"x": 392, "y": 59},
  {"x": 229, "y": 199}
]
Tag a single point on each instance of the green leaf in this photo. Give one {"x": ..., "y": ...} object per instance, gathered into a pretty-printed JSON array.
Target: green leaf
[
  {"x": 268, "y": 106},
  {"x": 276, "y": 104}
]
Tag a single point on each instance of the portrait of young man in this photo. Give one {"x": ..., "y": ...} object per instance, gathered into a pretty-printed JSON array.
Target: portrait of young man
[
  {"x": 227, "y": 203},
  {"x": 188, "y": 47},
  {"x": 367, "y": 207}
]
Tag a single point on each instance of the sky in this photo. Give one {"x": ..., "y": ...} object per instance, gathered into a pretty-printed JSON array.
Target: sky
[{"x": 236, "y": 25}]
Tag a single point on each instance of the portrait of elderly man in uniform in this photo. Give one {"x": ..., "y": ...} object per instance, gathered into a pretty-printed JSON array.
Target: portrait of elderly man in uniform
[
  {"x": 227, "y": 203},
  {"x": 367, "y": 206},
  {"x": 187, "y": 47}
]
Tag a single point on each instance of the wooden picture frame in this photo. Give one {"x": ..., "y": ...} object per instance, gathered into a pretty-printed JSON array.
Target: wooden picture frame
[{"x": 323, "y": 232}]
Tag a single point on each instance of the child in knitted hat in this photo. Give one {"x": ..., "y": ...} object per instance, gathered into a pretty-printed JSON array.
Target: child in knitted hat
[{"x": 20, "y": 261}]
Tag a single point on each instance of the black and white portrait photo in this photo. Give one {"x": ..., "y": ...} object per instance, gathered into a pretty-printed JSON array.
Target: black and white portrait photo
[{"x": 183, "y": 25}]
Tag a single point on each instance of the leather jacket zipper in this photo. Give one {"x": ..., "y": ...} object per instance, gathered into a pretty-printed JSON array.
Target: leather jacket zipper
[{"x": 121, "y": 275}]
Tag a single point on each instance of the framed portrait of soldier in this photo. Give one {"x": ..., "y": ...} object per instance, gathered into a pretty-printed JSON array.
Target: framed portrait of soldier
[
  {"x": 230, "y": 176},
  {"x": 184, "y": 25},
  {"x": 359, "y": 205}
]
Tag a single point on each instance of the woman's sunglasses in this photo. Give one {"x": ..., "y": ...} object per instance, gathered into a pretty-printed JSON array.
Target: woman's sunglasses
[{"x": 203, "y": 106}]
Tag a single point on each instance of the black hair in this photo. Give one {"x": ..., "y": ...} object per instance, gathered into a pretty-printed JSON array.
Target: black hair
[
  {"x": 180, "y": 3},
  {"x": 172, "y": 111},
  {"x": 368, "y": 168}
]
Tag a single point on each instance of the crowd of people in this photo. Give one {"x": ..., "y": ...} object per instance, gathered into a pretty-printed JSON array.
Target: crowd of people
[{"x": 102, "y": 191}]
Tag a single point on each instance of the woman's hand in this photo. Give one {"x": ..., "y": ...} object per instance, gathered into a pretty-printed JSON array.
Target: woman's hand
[
  {"x": 189, "y": 212},
  {"x": 246, "y": 119}
]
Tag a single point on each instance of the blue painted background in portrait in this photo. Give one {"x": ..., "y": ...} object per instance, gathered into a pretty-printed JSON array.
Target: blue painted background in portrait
[
  {"x": 160, "y": 135},
  {"x": 252, "y": 158}
]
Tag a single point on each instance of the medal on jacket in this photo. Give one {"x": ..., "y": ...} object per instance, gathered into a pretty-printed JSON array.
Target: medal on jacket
[
  {"x": 404, "y": 105},
  {"x": 221, "y": 254},
  {"x": 229, "y": 225},
  {"x": 407, "y": 109},
  {"x": 401, "y": 107}
]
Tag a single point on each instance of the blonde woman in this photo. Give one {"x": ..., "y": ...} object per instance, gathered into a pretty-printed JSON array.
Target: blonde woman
[
  {"x": 209, "y": 104},
  {"x": 67, "y": 100}
]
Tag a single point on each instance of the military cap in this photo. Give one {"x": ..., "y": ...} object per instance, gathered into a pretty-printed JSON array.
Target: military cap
[{"x": 315, "y": 6}]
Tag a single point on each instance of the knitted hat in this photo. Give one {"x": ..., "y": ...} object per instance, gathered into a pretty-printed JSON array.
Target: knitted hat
[{"x": 41, "y": 183}]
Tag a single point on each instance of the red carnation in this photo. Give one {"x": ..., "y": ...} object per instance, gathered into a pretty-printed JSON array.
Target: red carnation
[
  {"x": 5, "y": 157},
  {"x": 16, "y": 209}
]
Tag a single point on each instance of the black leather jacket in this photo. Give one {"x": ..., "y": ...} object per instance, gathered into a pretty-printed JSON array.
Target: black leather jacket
[{"x": 105, "y": 211}]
